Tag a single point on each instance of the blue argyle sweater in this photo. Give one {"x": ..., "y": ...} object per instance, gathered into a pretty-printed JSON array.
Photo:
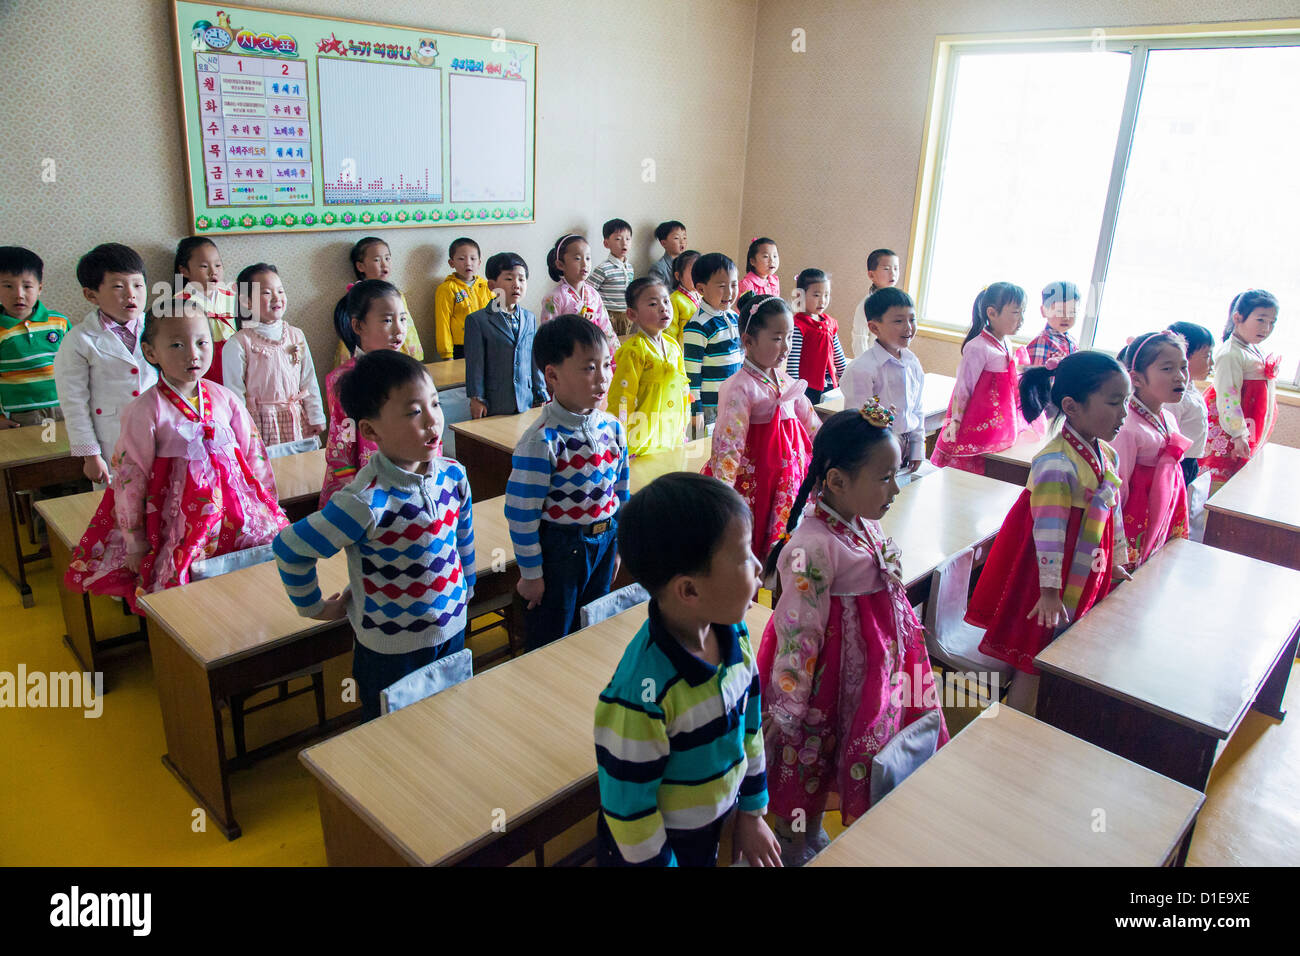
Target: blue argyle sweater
[{"x": 410, "y": 545}]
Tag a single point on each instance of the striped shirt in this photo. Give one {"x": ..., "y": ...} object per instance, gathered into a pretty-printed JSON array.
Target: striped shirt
[
  {"x": 611, "y": 279},
  {"x": 27, "y": 351},
  {"x": 410, "y": 544},
  {"x": 569, "y": 469},
  {"x": 678, "y": 740},
  {"x": 711, "y": 349}
]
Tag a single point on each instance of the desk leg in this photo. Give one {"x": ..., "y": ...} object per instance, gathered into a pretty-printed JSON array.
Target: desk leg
[
  {"x": 488, "y": 468},
  {"x": 350, "y": 840},
  {"x": 11, "y": 548},
  {"x": 196, "y": 747},
  {"x": 1269, "y": 699}
]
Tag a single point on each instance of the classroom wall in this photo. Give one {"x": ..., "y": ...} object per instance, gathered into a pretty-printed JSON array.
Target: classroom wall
[
  {"x": 835, "y": 132},
  {"x": 92, "y": 86}
]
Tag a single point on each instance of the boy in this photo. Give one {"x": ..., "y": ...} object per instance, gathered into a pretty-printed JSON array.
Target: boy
[
  {"x": 882, "y": 270},
  {"x": 1060, "y": 302},
  {"x": 569, "y": 480},
  {"x": 711, "y": 340},
  {"x": 30, "y": 335},
  {"x": 461, "y": 293},
  {"x": 406, "y": 522},
  {"x": 672, "y": 236},
  {"x": 612, "y": 276},
  {"x": 100, "y": 369},
  {"x": 500, "y": 378},
  {"x": 678, "y": 736},
  {"x": 890, "y": 371}
]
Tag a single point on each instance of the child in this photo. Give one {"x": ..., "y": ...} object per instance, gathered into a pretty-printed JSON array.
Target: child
[
  {"x": 268, "y": 364},
  {"x": 686, "y": 301},
  {"x": 568, "y": 263},
  {"x": 569, "y": 480},
  {"x": 1242, "y": 401},
  {"x": 984, "y": 411},
  {"x": 460, "y": 293},
  {"x": 1060, "y": 301},
  {"x": 672, "y": 237},
  {"x": 816, "y": 355},
  {"x": 1149, "y": 446},
  {"x": 30, "y": 335},
  {"x": 882, "y": 270},
  {"x": 406, "y": 522},
  {"x": 761, "y": 443},
  {"x": 842, "y": 635},
  {"x": 500, "y": 377},
  {"x": 673, "y": 764},
  {"x": 198, "y": 263},
  {"x": 891, "y": 372},
  {"x": 100, "y": 368},
  {"x": 191, "y": 479},
  {"x": 1191, "y": 413},
  {"x": 761, "y": 262},
  {"x": 375, "y": 323},
  {"x": 611, "y": 278},
  {"x": 371, "y": 259},
  {"x": 650, "y": 394},
  {"x": 711, "y": 348},
  {"x": 1063, "y": 540}
]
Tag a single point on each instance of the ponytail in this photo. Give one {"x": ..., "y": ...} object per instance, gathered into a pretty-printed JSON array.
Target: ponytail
[
  {"x": 816, "y": 469},
  {"x": 1246, "y": 303},
  {"x": 1077, "y": 377},
  {"x": 996, "y": 296},
  {"x": 557, "y": 253},
  {"x": 1035, "y": 391}
]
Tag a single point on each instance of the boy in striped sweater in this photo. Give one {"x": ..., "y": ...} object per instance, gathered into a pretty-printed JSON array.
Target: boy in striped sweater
[
  {"x": 30, "y": 335},
  {"x": 711, "y": 340},
  {"x": 678, "y": 736},
  {"x": 406, "y": 524},
  {"x": 568, "y": 482}
]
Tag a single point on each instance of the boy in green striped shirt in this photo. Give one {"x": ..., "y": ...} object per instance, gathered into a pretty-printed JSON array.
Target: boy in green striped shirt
[
  {"x": 678, "y": 736},
  {"x": 30, "y": 334}
]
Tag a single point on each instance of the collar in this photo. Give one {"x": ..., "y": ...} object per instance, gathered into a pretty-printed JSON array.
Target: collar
[
  {"x": 996, "y": 341},
  {"x": 774, "y": 380},
  {"x": 578, "y": 290},
  {"x": 196, "y": 403},
  {"x": 1250, "y": 347},
  {"x": 569, "y": 419},
  {"x": 493, "y": 307},
  {"x": 270, "y": 330},
  {"x": 1157, "y": 421},
  {"x": 133, "y": 326},
  {"x": 39, "y": 314},
  {"x": 885, "y": 355},
  {"x": 1060, "y": 336},
  {"x": 1091, "y": 453},
  {"x": 693, "y": 670},
  {"x": 392, "y": 476},
  {"x": 711, "y": 311},
  {"x": 455, "y": 277},
  {"x": 660, "y": 347}
]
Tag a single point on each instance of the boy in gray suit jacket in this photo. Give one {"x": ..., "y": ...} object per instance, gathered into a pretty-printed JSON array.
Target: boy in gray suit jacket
[{"x": 500, "y": 377}]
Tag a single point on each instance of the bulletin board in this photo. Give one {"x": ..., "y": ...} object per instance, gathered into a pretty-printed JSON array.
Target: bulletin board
[{"x": 295, "y": 123}]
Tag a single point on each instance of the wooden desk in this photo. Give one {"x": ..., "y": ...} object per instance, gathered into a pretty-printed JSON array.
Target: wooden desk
[
  {"x": 1012, "y": 464},
  {"x": 1257, "y": 512},
  {"x": 424, "y": 785},
  {"x": 1165, "y": 667},
  {"x": 484, "y": 447},
  {"x": 28, "y": 461},
  {"x": 298, "y": 481},
  {"x": 935, "y": 395},
  {"x": 447, "y": 374},
  {"x": 1011, "y": 791}
]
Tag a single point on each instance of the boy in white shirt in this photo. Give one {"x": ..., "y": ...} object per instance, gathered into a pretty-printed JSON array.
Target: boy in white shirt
[{"x": 890, "y": 371}]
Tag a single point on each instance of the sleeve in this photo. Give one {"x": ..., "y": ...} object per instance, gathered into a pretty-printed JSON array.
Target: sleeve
[
  {"x": 632, "y": 750},
  {"x": 232, "y": 367},
  {"x": 550, "y": 307},
  {"x": 307, "y": 382},
  {"x": 72, "y": 382},
  {"x": 530, "y": 480},
  {"x": 343, "y": 521},
  {"x": 799, "y": 625},
  {"x": 623, "y": 483},
  {"x": 475, "y": 357},
  {"x": 540, "y": 394},
  {"x": 131, "y": 466},
  {"x": 857, "y": 383},
  {"x": 442, "y": 302},
  {"x": 796, "y": 354},
  {"x": 1125, "y": 445},
  {"x": 693, "y": 345},
  {"x": 730, "y": 432},
  {"x": 914, "y": 444},
  {"x": 626, "y": 384},
  {"x": 1228, "y": 378},
  {"x": 969, "y": 369},
  {"x": 804, "y": 411},
  {"x": 753, "y": 788},
  {"x": 250, "y": 443},
  {"x": 838, "y": 349},
  {"x": 411, "y": 345},
  {"x": 1051, "y": 496},
  {"x": 465, "y": 536}
]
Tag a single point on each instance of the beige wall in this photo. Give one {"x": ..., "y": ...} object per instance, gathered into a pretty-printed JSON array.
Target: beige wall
[
  {"x": 835, "y": 132},
  {"x": 620, "y": 83}
]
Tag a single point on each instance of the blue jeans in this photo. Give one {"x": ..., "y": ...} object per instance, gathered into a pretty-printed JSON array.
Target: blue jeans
[
  {"x": 374, "y": 671},
  {"x": 577, "y": 569}
]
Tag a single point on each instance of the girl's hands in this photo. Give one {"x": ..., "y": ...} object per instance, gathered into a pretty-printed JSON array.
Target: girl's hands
[
  {"x": 1240, "y": 448},
  {"x": 1050, "y": 610},
  {"x": 95, "y": 469}
]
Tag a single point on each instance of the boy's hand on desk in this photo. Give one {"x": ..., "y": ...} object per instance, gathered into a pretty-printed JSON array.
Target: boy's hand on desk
[
  {"x": 531, "y": 590},
  {"x": 7, "y": 422},
  {"x": 756, "y": 841},
  {"x": 95, "y": 469},
  {"x": 336, "y": 606},
  {"x": 912, "y": 465},
  {"x": 477, "y": 408}
]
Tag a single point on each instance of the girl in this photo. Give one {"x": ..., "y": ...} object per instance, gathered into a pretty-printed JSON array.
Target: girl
[
  {"x": 650, "y": 394},
  {"x": 817, "y": 356},
  {"x": 686, "y": 301},
  {"x": 1242, "y": 402},
  {"x": 372, "y": 259},
  {"x": 761, "y": 442},
  {"x": 842, "y": 637},
  {"x": 761, "y": 262},
  {"x": 1191, "y": 413},
  {"x": 1063, "y": 540},
  {"x": 268, "y": 365},
  {"x": 199, "y": 264},
  {"x": 191, "y": 479},
  {"x": 569, "y": 263},
  {"x": 375, "y": 321},
  {"x": 984, "y": 411}
]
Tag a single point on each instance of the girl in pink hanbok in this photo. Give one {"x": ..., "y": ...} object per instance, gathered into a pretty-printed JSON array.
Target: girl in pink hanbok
[
  {"x": 190, "y": 475},
  {"x": 1150, "y": 446},
  {"x": 842, "y": 664},
  {"x": 762, "y": 439},
  {"x": 984, "y": 412}
]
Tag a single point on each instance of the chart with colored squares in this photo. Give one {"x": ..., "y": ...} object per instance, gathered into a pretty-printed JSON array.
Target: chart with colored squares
[{"x": 295, "y": 122}]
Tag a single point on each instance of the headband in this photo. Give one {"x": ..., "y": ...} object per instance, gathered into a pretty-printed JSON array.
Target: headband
[{"x": 1163, "y": 334}]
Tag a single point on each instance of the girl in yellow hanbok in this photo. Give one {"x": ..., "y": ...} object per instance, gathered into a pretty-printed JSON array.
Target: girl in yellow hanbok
[{"x": 650, "y": 393}]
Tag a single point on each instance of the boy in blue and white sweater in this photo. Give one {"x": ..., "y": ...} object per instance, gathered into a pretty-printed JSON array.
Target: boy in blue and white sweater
[
  {"x": 406, "y": 523},
  {"x": 569, "y": 480}
]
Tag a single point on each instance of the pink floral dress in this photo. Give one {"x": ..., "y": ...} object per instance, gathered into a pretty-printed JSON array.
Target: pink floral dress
[
  {"x": 984, "y": 411},
  {"x": 188, "y": 484},
  {"x": 1153, "y": 492}
]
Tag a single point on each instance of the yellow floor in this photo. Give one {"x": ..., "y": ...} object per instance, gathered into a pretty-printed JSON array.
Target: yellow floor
[{"x": 91, "y": 792}]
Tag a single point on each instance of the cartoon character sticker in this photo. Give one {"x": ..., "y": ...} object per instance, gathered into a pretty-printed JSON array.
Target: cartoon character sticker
[{"x": 426, "y": 52}]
